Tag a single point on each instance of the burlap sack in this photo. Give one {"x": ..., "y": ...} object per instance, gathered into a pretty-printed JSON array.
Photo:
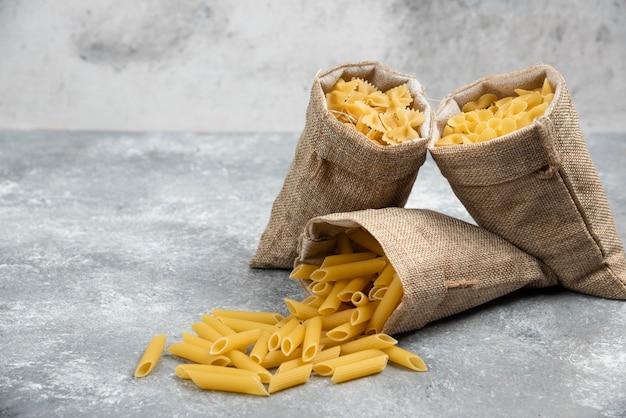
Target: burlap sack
[
  {"x": 537, "y": 187},
  {"x": 336, "y": 168},
  {"x": 446, "y": 265}
]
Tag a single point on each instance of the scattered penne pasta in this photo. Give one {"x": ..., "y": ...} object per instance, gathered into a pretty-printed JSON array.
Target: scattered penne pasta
[{"x": 329, "y": 333}]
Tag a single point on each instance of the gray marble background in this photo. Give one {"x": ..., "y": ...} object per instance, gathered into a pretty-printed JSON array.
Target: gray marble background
[{"x": 233, "y": 66}]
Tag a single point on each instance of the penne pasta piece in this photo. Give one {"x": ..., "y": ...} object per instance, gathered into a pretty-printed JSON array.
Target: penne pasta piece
[
  {"x": 405, "y": 358},
  {"x": 366, "y": 240},
  {"x": 388, "y": 304},
  {"x": 195, "y": 340},
  {"x": 182, "y": 370},
  {"x": 259, "y": 351},
  {"x": 359, "y": 299},
  {"x": 354, "y": 285},
  {"x": 240, "y": 325},
  {"x": 376, "y": 293},
  {"x": 303, "y": 271},
  {"x": 264, "y": 317},
  {"x": 219, "y": 326},
  {"x": 276, "y": 338},
  {"x": 301, "y": 310},
  {"x": 276, "y": 358},
  {"x": 228, "y": 383},
  {"x": 320, "y": 289},
  {"x": 346, "y": 331},
  {"x": 363, "y": 313},
  {"x": 328, "y": 342},
  {"x": 290, "y": 378},
  {"x": 326, "y": 368},
  {"x": 371, "y": 342},
  {"x": 283, "y": 321},
  {"x": 235, "y": 341},
  {"x": 332, "y": 302},
  {"x": 291, "y": 364},
  {"x": 349, "y": 270},
  {"x": 337, "y": 318},
  {"x": 241, "y": 361},
  {"x": 333, "y": 260},
  {"x": 311, "y": 341},
  {"x": 206, "y": 331},
  {"x": 313, "y": 300},
  {"x": 327, "y": 354},
  {"x": 191, "y": 352},
  {"x": 366, "y": 367},
  {"x": 151, "y": 356},
  {"x": 385, "y": 277},
  {"x": 293, "y": 340}
]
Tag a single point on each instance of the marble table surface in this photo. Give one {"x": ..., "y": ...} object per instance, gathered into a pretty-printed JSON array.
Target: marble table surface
[{"x": 109, "y": 238}]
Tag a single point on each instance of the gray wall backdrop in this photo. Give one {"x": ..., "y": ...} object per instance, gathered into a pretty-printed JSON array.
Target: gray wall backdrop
[{"x": 235, "y": 66}]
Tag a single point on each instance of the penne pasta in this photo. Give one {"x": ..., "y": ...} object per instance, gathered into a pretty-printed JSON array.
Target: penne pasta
[
  {"x": 182, "y": 370},
  {"x": 191, "y": 352},
  {"x": 333, "y": 260},
  {"x": 363, "y": 313},
  {"x": 264, "y": 317},
  {"x": 320, "y": 289},
  {"x": 349, "y": 270},
  {"x": 240, "y": 325},
  {"x": 356, "y": 370},
  {"x": 336, "y": 319},
  {"x": 311, "y": 341},
  {"x": 229, "y": 383},
  {"x": 241, "y": 361},
  {"x": 388, "y": 304},
  {"x": 359, "y": 299},
  {"x": 276, "y": 358},
  {"x": 218, "y": 325},
  {"x": 290, "y": 378},
  {"x": 301, "y": 310},
  {"x": 353, "y": 286},
  {"x": 343, "y": 244},
  {"x": 293, "y": 340},
  {"x": 151, "y": 356},
  {"x": 346, "y": 331},
  {"x": 366, "y": 240},
  {"x": 303, "y": 271},
  {"x": 371, "y": 342},
  {"x": 205, "y": 331},
  {"x": 260, "y": 349},
  {"x": 276, "y": 337},
  {"x": 385, "y": 277},
  {"x": 332, "y": 302},
  {"x": 235, "y": 341},
  {"x": 195, "y": 340},
  {"x": 313, "y": 300},
  {"x": 405, "y": 358},
  {"x": 327, "y": 368}
]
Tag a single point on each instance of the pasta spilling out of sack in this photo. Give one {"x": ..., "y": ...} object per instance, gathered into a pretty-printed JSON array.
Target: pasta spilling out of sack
[
  {"x": 488, "y": 117},
  {"x": 384, "y": 117},
  {"x": 335, "y": 332}
]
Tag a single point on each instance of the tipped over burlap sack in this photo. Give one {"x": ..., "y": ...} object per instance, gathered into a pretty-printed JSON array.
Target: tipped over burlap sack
[
  {"x": 538, "y": 187},
  {"x": 336, "y": 168},
  {"x": 445, "y": 265}
]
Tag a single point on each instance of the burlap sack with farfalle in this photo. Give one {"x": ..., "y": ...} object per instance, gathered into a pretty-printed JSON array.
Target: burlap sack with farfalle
[
  {"x": 538, "y": 187},
  {"x": 336, "y": 168},
  {"x": 446, "y": 265}
]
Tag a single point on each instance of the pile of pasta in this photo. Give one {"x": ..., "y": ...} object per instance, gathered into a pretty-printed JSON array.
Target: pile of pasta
[
  {"x": 336, "y": 331},
  {"x": 489, "y": 117},
  {"x": 385, "y": 118}
]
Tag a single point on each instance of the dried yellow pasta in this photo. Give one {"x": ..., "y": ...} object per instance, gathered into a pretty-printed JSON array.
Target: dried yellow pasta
[
  {"x": 290, "y": 378},
  {"x": 388, "y": 304},
  {"x": 191, "y": 352},
  {"x": 311, "y": 341},
  {"x": 182, "y": 370},
  {"x": 405, "y": 358},
  {"x": 239, "y": 325},
  {"x": 150, "y": 356},
  {"x": 250, "y": 384},
  {"x": 303, "y": 271},
  {"x": 488, "y": 117},
  {"x": 206, "y": 331},
  {"x": 348, "y": 270},
  {"x": 374, "y": 341},
  {"x": 384, "y": 118},
  {"x": 356, "y": 370},
  {"x": 242, "y": 361},
  {"x": 196, "y": 340},
  {"x": 293, "y": 340},
  {"x": 235, "y": 341},
  {"x": 260, "y": 349},
  {"x": 333, "y": 260},
  {"x": 264, "y": 317},
  {"x": 326, "y": 368}
]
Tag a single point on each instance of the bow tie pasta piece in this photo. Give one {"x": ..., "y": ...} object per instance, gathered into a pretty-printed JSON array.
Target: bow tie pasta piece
[
  {"x": 383, "y": 117},
  {"x": 488, "y": 117}
]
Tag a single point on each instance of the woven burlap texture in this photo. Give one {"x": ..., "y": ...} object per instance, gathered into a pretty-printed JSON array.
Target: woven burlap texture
[
  {"x": 446, "y": 265},
  {"x": 538, "y": 187},
  {"x": 336, "y": 168}
]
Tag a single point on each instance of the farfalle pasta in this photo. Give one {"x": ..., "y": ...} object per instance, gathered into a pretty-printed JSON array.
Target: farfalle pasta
[
  {"x": 536, "y": 185},
  {"x": 385, "y": 118},
  {"x": 340, "y": 162}
]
